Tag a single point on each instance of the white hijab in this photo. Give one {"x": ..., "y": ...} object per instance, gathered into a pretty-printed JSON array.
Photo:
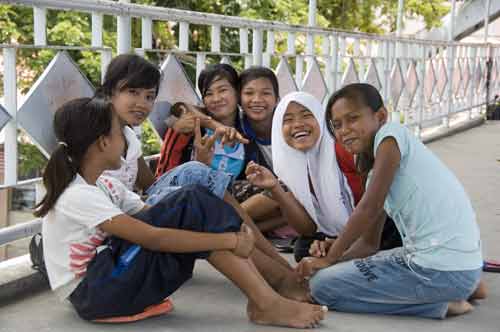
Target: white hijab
[{"x": 334, "y": 196}]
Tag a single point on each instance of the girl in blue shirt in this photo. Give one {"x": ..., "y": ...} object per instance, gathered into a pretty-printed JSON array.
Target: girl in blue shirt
[{"x": 439, "y": 265}]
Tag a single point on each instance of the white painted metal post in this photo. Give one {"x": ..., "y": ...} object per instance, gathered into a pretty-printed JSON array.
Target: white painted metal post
[
  {"x": 146, "y": 33},
  {"x": 244, "y": 47},
  {"x": 10, "y": 130},
  {"x": 105, "y": 60},
  {"x": 290, "y": 43},
  {"x": 215, "y": 38},
  {"x": 40, "y": 25},
  {"x": 335, "y": 62},
  {"x": 310, "y": 37},
  {"x": 299, "y": 70},
  {"x": 184, "y": 36},
  {"x": 486, "y": 20},
  {"x": 257, "y": 47},
  {"x": 124, "y": 32},
  {"x": 421, "y": 91},
  {"x": 269, "y": 49},
  {"x": 450, "y": 52},
  {"x": 326, "y": 53},
  {"x": 200, "y": 65},
  {"x": 96, "y": 29}
]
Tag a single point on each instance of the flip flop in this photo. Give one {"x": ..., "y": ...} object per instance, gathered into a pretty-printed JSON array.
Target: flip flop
[
  {"x": 155, "y": 310},
  {"x": 491, "y": 266}
]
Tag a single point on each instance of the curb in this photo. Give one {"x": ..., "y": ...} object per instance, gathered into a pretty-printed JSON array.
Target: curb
[{"x": 446, "y": 132}]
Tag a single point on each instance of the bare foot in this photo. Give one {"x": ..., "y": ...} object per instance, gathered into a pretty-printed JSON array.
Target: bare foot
[
  {"x": 480, "y": 293},
  {"x": 457, "y": 308},
  {"x": 288, "y": 313},
  {"x": 292, "y": 289}
]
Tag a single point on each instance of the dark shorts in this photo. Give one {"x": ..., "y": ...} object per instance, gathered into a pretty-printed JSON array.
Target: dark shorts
[{"x": 124, "y": 279}]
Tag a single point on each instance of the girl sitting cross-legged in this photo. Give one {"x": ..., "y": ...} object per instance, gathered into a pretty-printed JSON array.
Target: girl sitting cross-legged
[{"x": 111, "y": 255}]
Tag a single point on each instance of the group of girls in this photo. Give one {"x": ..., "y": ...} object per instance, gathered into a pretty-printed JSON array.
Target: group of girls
[{"x": 114, "y": 256}]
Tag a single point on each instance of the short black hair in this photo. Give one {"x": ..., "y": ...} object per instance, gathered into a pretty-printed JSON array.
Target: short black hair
[
  {"x": 129, "y": 71},
  {"x": 257, "y": 72},
  {"x": 217, "y": 72}
]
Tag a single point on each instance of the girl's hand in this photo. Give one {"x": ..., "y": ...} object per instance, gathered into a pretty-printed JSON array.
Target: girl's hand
[
  {"x": 245, "y": 242},
  {"x": 187, "y": 121},
  {"x": 308, "y": 266},
  {"x": 260, "y": 176},
  {"x": 320, "y": 248},
  {"x": 203, "y": 146},
  {"x": 231, "y": 136}
]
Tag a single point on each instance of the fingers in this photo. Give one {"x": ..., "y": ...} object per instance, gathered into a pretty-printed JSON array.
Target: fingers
[
  {"x": 197, "y": 132},
  {"x": 322, "y": 248},
  {"x": 314, "y": 249},
  {"x": 240, "y": 138}
]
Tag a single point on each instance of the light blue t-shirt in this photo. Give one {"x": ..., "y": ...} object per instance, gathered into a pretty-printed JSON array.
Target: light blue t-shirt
[{"x": 430, "y": 207}]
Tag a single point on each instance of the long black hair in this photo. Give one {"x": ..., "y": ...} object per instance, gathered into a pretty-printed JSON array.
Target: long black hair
[
  {"x": 77, "y": 125},
  {"x": 359, "y": 94},
  {"x": 256, "y": 72},
  {"x": 217, "y": 72},
  {"x": 129, "y": 71}
]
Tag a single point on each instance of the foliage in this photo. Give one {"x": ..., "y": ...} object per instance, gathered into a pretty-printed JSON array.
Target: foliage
[{"x": 74, "y": 28}]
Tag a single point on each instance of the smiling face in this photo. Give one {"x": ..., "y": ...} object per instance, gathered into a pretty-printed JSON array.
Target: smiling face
[
  {"x": 355, "y": 125},
  {"x": 301, "y": 130},
  {"x": 133, "y": 105},
  {"x": 115, "y": 144},
  {"x": 258, "y": 99},
  {"x": 221, "y": 101}
]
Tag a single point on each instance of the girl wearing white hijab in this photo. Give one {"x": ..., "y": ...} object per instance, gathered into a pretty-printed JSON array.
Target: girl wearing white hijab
[{"x": 304, "y": 159}]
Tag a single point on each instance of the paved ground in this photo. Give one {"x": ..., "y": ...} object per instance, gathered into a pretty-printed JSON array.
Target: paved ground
[{"x": 210, "y": 303}]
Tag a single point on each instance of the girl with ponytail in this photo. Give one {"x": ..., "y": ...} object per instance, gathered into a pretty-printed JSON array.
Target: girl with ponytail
[{"x": 117, "y": 259}]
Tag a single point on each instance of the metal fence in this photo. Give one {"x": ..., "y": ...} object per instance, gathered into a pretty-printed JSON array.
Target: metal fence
[{"x": 423, "y": 82}]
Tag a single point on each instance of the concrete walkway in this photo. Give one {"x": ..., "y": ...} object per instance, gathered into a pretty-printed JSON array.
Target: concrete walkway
[{"x": 210, "y": 303}]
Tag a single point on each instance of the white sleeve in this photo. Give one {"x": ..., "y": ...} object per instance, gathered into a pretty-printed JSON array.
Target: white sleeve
[
  {"x": 128, "y": 201},
  {"x": 86, "y": 205}
]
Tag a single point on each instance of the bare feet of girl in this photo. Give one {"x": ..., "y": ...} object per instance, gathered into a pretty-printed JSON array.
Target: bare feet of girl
[
  {"x": 291, "y": 289},
  {"x": 288, "y": 313},
  {"x": 456, "y": 308},
  {"x": 480, "y": 293}
]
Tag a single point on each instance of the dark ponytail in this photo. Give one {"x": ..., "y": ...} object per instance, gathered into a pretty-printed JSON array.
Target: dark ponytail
[
  {"x": 77, "y": 125},
  {"x": 359, "y": 94}
]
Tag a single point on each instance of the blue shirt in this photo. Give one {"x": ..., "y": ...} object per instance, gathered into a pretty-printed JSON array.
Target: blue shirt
[{"x": 430, "y": 207}]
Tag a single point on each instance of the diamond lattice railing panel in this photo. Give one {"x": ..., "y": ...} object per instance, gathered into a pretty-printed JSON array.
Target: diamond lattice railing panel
[
  {"x": 494, "y": 74},
  {"x": 478, "y": 77},
  {"x": 4, "y": 117},
  {"x": 429, "y": 80},
  {"x": 61, "y": 81},
  {"x": 314, "y": 83},
  {"x": 466, "y": 75},
  {"x": 457, "y": 78},
  {"x": 285, "y": 78},
  {"x": 174, "y": 87},
  {"x": 412, "y": 82},
  {"x": 351, "y": 74},
  {"x": 397, "y": 84},
  {"x": 442, "y": 78},
  {"x": 372, "y": 77}
]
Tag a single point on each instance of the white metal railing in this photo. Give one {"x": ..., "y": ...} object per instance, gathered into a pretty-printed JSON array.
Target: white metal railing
[{"x": 425, "y": 82}]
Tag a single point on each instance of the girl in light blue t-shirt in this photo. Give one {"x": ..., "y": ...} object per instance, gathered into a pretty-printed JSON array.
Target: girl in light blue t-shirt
[{"x": 438, "y": 268}]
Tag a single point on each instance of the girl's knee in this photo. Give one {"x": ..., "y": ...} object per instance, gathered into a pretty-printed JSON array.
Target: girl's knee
[{"x": 322, "y": 287}]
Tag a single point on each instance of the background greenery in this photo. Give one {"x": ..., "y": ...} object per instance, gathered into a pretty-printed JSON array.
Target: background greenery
[{"x": 72, "y": 28}]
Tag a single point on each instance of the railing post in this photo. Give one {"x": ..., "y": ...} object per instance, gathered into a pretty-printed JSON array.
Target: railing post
[
  {"x": 257, "y": 47},
  {"x": 96, "y": 30},
  {"x": 200, "y": 65},
  {"x": 146, "y": 33},
  {"x": 421, "y": 91},
  {"x": 266, "y": 61},
  {"x": 335, "y": 62},
  {"x": 244, "y": 47},
  {"x": 215, "y": 38},
  {"x": 40, "y": 25},
  {"x": 106, "y": 56},
  {"x": 10, "y": 130},
  {"x": 299, "y": 70},
  {"x": 183, "y": 36},
  {"x": 124, "y": 32},
  {"x": 325, "y": 49}
]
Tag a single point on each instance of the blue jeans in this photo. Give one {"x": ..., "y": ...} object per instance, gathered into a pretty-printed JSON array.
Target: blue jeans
[
  {"x": 384, "y": 284},
  {"x": 190, "y": 173}
]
